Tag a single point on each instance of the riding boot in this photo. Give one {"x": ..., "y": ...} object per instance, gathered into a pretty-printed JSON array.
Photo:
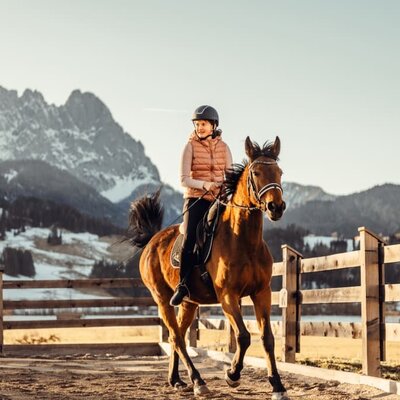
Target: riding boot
[{"x": 182, "y": 289}]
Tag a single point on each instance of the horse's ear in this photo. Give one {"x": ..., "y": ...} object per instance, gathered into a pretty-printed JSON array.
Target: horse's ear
[
  {"x": 276, "y": 147},
  {"x": 249, "y": 148}
]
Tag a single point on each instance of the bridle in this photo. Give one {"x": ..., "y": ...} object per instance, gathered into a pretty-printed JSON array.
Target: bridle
[{"x": 252, "y": 188}]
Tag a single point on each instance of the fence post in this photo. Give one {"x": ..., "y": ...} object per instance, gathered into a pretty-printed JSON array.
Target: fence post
[
  {"x": 372, "y": 315},
  {"x": 289, "y": 301},
  {"x": 1, "y": 309}
]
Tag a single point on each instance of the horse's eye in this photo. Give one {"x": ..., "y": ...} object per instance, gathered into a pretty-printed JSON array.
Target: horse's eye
[{"x": 255, "y": 173}]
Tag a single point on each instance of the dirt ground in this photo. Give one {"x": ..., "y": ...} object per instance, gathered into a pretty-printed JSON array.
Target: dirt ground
[{"x": 125, "y": 377}]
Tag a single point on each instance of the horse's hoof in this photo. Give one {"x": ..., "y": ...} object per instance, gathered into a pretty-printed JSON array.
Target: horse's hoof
[
  {"x": 200, "y": 390},
  {"x": 230, "y": 382},
  {"x": 280, "y": 396}
]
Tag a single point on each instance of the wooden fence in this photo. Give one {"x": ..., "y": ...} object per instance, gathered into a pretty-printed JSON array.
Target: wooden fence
[
  {"x": 114, "y": 303},
  {"x": 372, "y": 294}
]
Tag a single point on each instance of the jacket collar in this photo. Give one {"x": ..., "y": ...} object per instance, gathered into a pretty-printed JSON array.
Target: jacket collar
[{"x": 206, "y": 143}]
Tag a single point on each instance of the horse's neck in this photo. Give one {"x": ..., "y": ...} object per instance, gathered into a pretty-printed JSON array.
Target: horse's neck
[{"x": 244, "y": 224}]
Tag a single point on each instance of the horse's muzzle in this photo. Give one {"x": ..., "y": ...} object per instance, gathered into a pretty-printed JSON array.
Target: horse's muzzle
[{"x": 275, "y": 211}]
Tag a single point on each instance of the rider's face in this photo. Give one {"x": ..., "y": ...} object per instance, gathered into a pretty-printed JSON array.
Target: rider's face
[{"x": 203, "y": 127}]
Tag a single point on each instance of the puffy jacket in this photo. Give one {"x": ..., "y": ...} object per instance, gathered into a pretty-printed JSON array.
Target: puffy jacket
[{"x": 208, "y": 164}]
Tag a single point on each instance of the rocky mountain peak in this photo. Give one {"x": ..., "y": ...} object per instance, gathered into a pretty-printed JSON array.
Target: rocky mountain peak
[
  {"x": 80, "y": 137},
  {"x": 7, "y": 97},
  {"x": 296, "y": 194},
  {"x": 87, "y": 110},
  {"x": 32, "y": 95}
]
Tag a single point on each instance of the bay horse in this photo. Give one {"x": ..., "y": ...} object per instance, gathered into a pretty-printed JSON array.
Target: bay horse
[{"x": 240, "y": 263}]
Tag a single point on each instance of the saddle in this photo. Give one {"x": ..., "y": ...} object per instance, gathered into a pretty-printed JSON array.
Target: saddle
[{"x": 204, "y": 240}]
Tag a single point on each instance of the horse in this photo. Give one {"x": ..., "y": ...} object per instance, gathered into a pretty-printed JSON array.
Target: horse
[{"x": 240, "y": 263}]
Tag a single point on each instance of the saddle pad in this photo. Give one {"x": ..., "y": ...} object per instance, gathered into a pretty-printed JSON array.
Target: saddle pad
[{"x": 176, "y": 252}]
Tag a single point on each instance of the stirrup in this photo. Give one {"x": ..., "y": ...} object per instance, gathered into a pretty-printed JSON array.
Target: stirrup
[{"x": 181, "y": 292}]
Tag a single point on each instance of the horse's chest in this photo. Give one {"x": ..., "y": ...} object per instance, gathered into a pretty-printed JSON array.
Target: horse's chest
[{"x": 247, "y": 279}]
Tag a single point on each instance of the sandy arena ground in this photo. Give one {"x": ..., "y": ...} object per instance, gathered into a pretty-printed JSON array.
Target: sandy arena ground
[{"x": 125, "y": 377}]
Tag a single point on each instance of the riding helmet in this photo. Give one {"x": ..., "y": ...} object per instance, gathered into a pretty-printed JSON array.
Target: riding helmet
[{"x": 207, "y": 113}]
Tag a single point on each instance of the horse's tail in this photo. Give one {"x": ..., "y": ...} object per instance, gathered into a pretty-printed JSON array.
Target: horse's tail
[{"x": 145, "y": 219}]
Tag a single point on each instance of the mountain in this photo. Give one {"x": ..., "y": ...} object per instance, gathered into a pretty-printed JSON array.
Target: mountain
[
  {"x": 81, "y": 138},
  {"x": 296, "y": 195},
  {"x": 38, "y": 179},
  {"x": 377, "y": 208}
]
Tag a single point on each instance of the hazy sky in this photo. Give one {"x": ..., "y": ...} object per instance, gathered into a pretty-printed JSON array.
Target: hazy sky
[{"x": 323, "y": 75}]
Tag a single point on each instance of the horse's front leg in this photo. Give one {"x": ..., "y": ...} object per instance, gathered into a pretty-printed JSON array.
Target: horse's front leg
[
  {"x": 262, "y": 308},
  {"x": 185, "y": 317},
  {"x": 231, "y": 308}
]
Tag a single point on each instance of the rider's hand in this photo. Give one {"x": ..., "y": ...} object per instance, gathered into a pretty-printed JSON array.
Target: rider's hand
[{"x": 209, "y": 186}]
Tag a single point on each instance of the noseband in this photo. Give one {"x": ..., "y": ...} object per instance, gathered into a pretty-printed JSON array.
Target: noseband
[{"x": 251, "y": 186}]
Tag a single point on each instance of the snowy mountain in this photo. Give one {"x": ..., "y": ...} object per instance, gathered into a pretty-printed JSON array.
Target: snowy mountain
[
  {"x": 38, "y": 179},
  {"x": 80, "y": 137},
  {"x": 377, "y": 208},
  {"x": 296, "y": 195}
]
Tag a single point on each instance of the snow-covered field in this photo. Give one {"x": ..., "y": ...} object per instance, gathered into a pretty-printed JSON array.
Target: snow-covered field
[
  {"x": 313, "y": 240},
  {"x": 71, "y": 260}
]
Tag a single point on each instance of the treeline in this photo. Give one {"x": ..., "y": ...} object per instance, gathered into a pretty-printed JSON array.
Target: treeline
[
  {"x": 17, "y": 262},
  {"x": 293, "y": 236},
  {"x": 45, "y": 213},
  {"x": 130, "y": 269}
]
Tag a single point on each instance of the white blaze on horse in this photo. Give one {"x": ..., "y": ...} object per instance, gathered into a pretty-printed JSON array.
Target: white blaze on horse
[{"x": 240, "y": 263}]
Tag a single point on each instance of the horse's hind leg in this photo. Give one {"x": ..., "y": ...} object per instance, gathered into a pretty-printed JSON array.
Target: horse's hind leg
[
  {"x": 178, "y": 345},
  {"x": 262, "y": 305},
  {"x": 185, "y": 317},
  {"x": 231, "y": 308}
]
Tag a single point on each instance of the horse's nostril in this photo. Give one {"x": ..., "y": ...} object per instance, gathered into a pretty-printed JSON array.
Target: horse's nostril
[
  {"x": 271, "y": 206},
  {"x": 283, "y": 206}
]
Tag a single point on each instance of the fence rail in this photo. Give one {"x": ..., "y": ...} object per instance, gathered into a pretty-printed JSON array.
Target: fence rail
[
  {"x": 371, "y": 294},
  {"x": 112, "y": 302},
  {"x": 74, "y": 284}
]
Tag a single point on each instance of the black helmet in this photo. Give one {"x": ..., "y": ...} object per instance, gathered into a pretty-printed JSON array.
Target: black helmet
[{"x": 207, "y": 113}]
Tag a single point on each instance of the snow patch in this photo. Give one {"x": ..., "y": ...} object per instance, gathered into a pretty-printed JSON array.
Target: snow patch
[
  {"x": 125, "y": 186},
  {"x": 51, "y": 265},
  {"x": 10, "y": 175},
  {"x": 313, "y": 240}
]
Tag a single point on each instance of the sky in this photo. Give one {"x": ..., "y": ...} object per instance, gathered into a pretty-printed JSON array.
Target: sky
[{"x": 322, "y": 75}]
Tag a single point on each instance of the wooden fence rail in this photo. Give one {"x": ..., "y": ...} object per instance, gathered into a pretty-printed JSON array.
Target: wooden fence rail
[{"x": 371, "y": 294}]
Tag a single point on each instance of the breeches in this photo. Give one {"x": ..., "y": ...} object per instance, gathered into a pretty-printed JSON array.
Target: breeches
[{"x": 196, "y": 210}]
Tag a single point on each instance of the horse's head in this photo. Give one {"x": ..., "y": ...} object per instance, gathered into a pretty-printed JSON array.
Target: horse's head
[{"x": 264, "y": 178}]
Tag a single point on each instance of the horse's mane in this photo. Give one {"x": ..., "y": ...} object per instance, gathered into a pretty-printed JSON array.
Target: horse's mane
[
  {"x": 232, "y": 177},
  {"x": 233, "y": 174}
]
